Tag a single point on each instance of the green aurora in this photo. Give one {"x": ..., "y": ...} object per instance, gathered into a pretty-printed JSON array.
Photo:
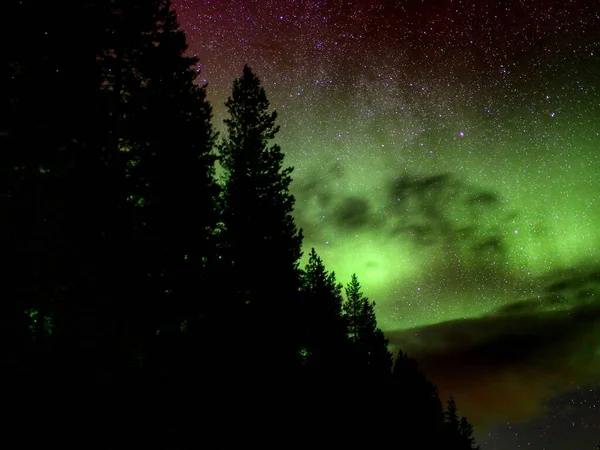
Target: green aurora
[{"x": 542, "y": 215}]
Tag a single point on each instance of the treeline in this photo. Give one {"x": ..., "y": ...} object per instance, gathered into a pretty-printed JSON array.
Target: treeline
[{"x": 129, "y": 266}]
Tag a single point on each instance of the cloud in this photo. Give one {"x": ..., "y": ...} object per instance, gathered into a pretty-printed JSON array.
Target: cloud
[
  {"x": 442, "y": 211},
  {"x": 435, "y": 212},
  {"x": 353, "y": 213},
  {"x": 504, "y": 366}
]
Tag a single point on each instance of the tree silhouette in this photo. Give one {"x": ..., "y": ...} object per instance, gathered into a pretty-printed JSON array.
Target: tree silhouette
[
  {"x": 459, "y": 432},
  {"x": 118, "y": 272},
  {"x": 260, "y": 244},
  {"x": 96, "y": 193},
  {"x": 451, "y": 414},
  {"x": 466, "y": 431},
  {"x": 422, "y": 411},
  {"x": 167, "y": 138},
  {"x": 369, "y": 342},
  {"x": 324, "y": 344}
]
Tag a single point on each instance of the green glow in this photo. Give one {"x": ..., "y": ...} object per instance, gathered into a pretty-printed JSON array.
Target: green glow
[
  {"x": 546, "y": 219},
  {"x": 304, "y": 354},
  {"x": 137, "y": 200},
  {"x": 34, "y": 318},
  {"x": 376, "y": 264},
  {"x": 133, "y": 162}
]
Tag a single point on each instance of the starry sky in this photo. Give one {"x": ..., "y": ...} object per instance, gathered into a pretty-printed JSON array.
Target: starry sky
[{"x": 448, "y": 152}]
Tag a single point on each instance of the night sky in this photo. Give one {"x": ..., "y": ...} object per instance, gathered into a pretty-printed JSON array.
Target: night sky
[{"x": 448, "y": 152}]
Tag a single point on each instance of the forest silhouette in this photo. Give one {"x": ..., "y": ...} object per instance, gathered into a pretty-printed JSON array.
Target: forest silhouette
[{"x": 141, "y": 287}]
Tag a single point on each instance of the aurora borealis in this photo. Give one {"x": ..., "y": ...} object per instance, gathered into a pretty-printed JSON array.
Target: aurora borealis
[{"x": 448, "y": 152}]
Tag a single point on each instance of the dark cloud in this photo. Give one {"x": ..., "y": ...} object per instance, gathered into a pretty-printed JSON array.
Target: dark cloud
[
  {"x": 440, "y": 208},
  {"x": 306, "y": 190},
  {"x": 336, "y": 170},
  {"x": 433, "y": 210},
  {"x": 562, "y": 290},
  {"x": 504, "y": 365},
  {"x": 315, "y": 184},
  {"x": 440, "y": 211},
  {"x": 484, "y": 198},
  {"x": 353, "y": 213}
]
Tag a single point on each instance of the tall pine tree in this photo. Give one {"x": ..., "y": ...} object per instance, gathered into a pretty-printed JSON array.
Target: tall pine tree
[
  {"x": 115, "y": 216},
  {"x": 167, "y": 137},
  {"x": 260, "y": 245}
]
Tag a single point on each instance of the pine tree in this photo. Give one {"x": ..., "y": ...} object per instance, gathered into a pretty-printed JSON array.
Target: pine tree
[
  {"x": 466, "y": 431},
  {"x": 91, "y": 167},
  {"x": 325, "y": 346},
  {"x": 167, "y": 138},
  {"x": 369, "y": 342},
  {"x": 260, "y": 244},
  {"x": 421, "y": 411},
  {"x": 459, "y": 432},
  {"x": 451, "y": 414}
]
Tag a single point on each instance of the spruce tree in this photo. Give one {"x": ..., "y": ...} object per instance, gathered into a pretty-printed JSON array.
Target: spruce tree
[
  {"x": 260, "y": 244},
  {"x": 458, "y": 431},
  {"x": 451, "y": 414},
  {"x": 369, "y": 343},
  {"x": 167, "y": 138},
  {"x": 466, "y": 432},
  {"x": 325, "y": 348},
  {"x": 94, "y": 190},
  {"x": 422, "y": 411}
]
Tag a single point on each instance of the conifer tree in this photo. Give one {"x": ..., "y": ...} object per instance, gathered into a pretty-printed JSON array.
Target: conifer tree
[
  {"x": 466, "y": 431},
  {"x": 459, "y": 432},
  {"x": 152, "y": 156},
  {"x": 167, "y": 138},
  {"x": 369, "y": 342},
  {"x": 325, "y": 346},
  {"x": 422, "y": 410},
  {"x": 451, "y": 414},
  {"x": 260, "y": 244},
  {"x": 79, "y": 174}
]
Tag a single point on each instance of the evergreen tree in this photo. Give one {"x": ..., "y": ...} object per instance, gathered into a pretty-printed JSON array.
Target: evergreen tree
[
  {"x": 95, "y": 192},
  {"x": 451, "y": 414},
  {"x": 421, "y": 411},
  {"x": 459, "y": 432},
  {"x": 369, "y": 342},
  {"x": 260, "y": 244},
  {"x": 324, "y": 345},
  {"x": 168, "y": 138},
  {"x": 466, "y": 431}
]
